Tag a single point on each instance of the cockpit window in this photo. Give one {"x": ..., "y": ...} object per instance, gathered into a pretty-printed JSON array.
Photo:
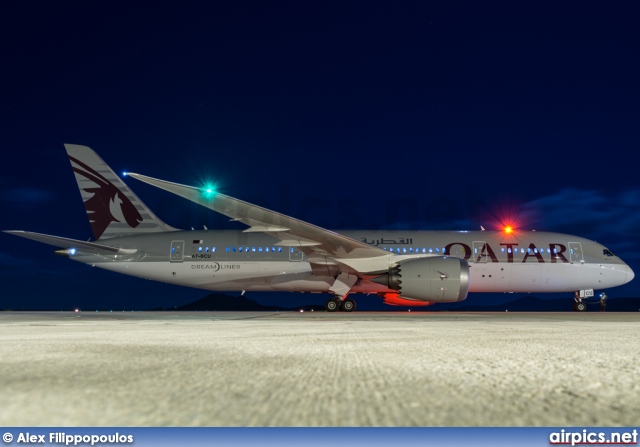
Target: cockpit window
[{"x": 607, "y": 252}]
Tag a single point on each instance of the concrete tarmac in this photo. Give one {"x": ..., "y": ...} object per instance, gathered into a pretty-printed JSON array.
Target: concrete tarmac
[{"x": 319, "y": 369}]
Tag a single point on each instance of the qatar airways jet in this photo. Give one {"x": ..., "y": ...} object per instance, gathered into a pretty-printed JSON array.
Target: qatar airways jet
[{"x": 281, "y": 253}]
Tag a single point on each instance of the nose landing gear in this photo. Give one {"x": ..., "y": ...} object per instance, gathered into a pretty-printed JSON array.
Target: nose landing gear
[
  {"x": 579, "y": 299},
  {"x": 580, "y": 307}
]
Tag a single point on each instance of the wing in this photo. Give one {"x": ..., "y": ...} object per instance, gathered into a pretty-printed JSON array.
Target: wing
[{"x": 291, "y": 232}]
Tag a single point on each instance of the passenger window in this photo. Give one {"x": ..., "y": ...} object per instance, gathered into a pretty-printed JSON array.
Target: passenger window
[
  {"x": 240, "y": 249},
  {"x": 227, "y": 250},
  {"x": 213, "y": 249},
  {"x": 199, "y": 249},
  {"x": 234, "y": 249}
]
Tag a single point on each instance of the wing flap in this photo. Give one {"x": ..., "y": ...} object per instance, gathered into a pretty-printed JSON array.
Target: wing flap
[{"x": 264, "y": 229}]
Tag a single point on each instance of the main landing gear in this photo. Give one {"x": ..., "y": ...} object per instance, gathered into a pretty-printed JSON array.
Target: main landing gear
[{"x": 336, "y": 304}]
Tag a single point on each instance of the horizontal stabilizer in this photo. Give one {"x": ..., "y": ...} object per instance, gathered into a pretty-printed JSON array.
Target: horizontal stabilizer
[{"x": 63, "y": 242}]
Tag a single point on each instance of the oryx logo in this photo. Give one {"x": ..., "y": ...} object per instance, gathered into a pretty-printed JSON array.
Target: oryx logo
[{"x": 107, "y": 203}]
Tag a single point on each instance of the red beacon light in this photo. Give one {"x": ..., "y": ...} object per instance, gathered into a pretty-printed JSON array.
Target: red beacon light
[{"x": 508, "y": 229}]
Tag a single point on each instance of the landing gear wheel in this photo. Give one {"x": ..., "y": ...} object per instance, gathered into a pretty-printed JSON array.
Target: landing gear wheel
[
  {"x": 580, "y": 307},
  {"x": 348, "y": 305},
  {"x": 332, "y": 305}
]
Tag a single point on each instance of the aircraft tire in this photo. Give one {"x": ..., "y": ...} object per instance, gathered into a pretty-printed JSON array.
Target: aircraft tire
[
  {"x": 332, "y": 305},
  {"x": 580, "y": 307},
  {"x": 348, "y": 305}
]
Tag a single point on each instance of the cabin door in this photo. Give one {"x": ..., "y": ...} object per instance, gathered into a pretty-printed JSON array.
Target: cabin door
[
  {"x": 295, "y": 254},
  {"x": 177, "y": 251},
  {"x": 575, "y": 252},
  {"x": 479, "y": 251}
]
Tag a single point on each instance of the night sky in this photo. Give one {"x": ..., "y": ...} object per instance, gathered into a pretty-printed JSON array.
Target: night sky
[{"x": 399, "y": 115}]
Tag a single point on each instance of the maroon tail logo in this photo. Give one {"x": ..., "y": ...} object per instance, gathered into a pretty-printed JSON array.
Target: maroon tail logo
[{"x": 107, "y": 203}]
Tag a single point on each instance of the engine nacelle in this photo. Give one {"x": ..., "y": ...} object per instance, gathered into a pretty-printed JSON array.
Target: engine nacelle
[{"x": 436, "y": 279}]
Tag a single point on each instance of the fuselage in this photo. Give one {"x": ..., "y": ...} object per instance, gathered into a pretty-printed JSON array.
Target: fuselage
[{"x": 523, "y": 261}]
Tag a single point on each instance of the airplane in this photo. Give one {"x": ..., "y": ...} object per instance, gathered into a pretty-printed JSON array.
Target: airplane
[{"x": 280, "y": 253}]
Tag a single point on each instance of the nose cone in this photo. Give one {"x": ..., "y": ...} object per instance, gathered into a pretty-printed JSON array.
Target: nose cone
[{"x": 630, "y": 275}]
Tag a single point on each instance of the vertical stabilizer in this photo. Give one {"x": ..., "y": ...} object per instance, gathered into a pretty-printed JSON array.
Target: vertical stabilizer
[{"x": 113, "y": 209}]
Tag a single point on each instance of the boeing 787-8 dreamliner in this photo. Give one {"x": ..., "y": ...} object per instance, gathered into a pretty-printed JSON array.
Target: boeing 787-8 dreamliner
[{"x": 280, "y": 253}]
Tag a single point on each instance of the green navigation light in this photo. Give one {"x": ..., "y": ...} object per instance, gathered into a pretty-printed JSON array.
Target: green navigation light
[{"x": 208, "y": 191}]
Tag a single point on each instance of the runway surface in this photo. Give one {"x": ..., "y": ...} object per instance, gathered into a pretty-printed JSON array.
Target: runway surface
[{"x": 319, "y": 369}]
